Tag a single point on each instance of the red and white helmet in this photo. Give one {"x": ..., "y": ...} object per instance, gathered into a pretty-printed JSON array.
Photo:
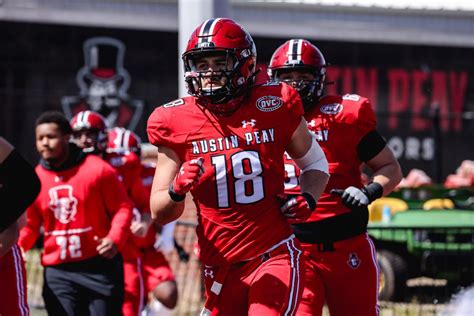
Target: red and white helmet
[
  {"x": 300, "y": 55},
  {"x": 123, "y": 141},
  {"x": 94, "y": 122},
  {"x": 221, "y": 36}
]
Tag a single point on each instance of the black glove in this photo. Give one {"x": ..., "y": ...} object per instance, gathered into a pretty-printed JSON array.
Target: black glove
[{"x": 355, "y": 198}]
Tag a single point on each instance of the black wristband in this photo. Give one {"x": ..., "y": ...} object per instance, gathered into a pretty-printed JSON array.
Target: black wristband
[
  {"x": 175, "y": 196},
  {"x": 373, "y": 190},
  {"x": 310, "y": 199}
]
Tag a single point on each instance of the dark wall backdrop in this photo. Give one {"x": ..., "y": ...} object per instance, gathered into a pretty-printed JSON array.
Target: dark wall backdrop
[{"x": 38, "y": 66}]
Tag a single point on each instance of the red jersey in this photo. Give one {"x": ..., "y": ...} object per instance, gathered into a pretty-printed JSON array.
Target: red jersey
[
  {"x": 238, "y": 209},
  {"x": 74, "y": 206},
  {"x": 338, "y": 124},
  {"x": 147, "y": 171},
  {"x": 129, "y": 169},
  {"x": 146, "y": 175}
]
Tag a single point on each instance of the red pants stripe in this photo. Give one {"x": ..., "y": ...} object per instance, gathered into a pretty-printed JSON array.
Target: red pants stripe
[
  {"x": 13, "y": 284},
  {"x": 271, "y": 284}
]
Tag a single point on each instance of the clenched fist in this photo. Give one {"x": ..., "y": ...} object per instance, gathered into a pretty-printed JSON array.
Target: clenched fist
[
  {"x": 187, "y": 177},
  {"x": 298, "y": 208}
]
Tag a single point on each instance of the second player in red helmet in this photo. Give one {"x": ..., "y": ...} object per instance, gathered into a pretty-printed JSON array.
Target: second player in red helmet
[
  {"x": 147, "y": 273},
  {"x": 224, "y": 145},
  {"x": 340, "y": 257},
  {"x": 90, "y": 132}
]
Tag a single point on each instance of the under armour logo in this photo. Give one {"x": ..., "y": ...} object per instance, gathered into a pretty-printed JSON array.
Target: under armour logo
[
  {"x": 208, "y": 273},
  {"x": 246, "y": 123},
  {"x": 354, "y": 261},
  {"x": 312, "y": 123}
]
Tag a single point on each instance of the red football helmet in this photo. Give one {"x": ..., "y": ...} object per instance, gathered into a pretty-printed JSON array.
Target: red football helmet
[
  {"x": 300, "y": 55},
  {"x": 214, "y": 37},
  {"x": 123, "y": 141},
  {"x": 94, "y": 127}
]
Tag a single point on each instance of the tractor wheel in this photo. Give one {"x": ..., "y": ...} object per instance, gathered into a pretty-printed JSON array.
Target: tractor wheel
[{"x": 393, "y": 276}]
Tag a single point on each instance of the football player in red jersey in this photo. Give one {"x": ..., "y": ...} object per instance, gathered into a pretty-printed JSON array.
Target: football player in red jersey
[
  {"x": 86, "y": 216},
  {"x": 225, "y": 145},
  {"x": 127, "y": 164},
  {"x": 160, "y": 280},
  {"x": 90, "y": 132},
  {"x": 340, "y": 257},
  {"x": 123, "y": 153},
  {"x": 19, "y": 186}
]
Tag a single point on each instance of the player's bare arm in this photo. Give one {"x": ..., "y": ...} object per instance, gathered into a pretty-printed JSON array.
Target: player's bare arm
[
  {"x": 387, "y": 171},
  {"x": 163, "y": 208},
  {"x": 304, "y": 149},
  {"x": 5, "y": 149}
]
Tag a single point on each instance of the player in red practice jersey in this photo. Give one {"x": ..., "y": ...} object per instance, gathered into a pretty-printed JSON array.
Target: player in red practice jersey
[
  {"x": 86, "y": 216},
  {"x": 127, "y": 164},
  {"x": 160, "y": 280},
  {"x": 225, "y": 145},
  {"x": 340, "y": 257},
  {"x": 90, "y": 132},
  {"x": 123, "y": 151}
]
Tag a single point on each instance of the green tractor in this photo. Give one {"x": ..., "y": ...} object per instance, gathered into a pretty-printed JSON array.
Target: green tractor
[{"x": 428, "y": 232}]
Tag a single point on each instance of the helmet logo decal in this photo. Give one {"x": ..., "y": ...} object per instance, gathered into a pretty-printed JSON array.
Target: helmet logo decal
[
  {"x": 269, "y": 103},
  {"x": 103, "y": 83},
  {"x": 63, "y": 203},
  {"x": 331, "y": 109}
]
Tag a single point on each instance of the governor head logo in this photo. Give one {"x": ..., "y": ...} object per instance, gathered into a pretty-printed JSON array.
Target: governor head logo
[
  {"x": 353, "y": 261},
  {"x": 269, "y": 103},
  {"x": 63, "y": 203},
  {"x": 103, "y": 84}
]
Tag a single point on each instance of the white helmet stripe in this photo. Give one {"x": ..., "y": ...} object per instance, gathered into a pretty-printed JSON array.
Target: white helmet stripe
[
  {"x": 299, "y": 49},
  {"x": 289, "y": 53},
  {"x": 79, "y": 120},
  {"x": 211, "y": 31},
  {"x": 126, "y": 140},
  {"x": 204, "y": 31},
  {"x": 207, "y": 29},
  {"x": 85, "y": 118},
  {"x": 294, "y": 51}
]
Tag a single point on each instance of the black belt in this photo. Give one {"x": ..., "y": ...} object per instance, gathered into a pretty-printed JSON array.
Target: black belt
[{"x": 336, "y": 228}]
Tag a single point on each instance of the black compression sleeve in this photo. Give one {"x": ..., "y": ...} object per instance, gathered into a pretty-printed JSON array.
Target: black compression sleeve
[
  {"x": 370, "y": 145},
  {"x": 19, "y": 186}
]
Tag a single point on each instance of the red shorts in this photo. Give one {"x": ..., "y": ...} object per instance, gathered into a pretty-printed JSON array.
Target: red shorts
[
  {"x": 346, "y": 279},
  {"x": 270, "y": 284},
  {"x": 13, "y": 284},
  {"x": 133, "y": 288},
  {"x": 155, "y": 269}
]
